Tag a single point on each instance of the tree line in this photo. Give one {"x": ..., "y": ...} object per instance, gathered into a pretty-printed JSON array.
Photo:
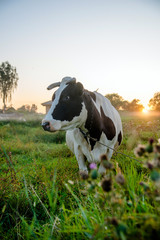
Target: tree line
[
  {"x": 120, "y": 104},
  {"x": 23, "y": 109},
  {"x": 9, "y": 81}
]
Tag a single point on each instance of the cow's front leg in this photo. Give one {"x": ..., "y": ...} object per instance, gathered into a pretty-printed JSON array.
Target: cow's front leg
[{"x": 81, "y": 159}]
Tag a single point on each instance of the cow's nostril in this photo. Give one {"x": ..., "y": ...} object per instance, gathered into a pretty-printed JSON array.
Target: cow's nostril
[{"x": 46, "y": 126}]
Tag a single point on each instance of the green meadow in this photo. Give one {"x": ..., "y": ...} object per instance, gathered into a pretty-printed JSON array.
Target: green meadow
[{"x": 43, "y": 197}]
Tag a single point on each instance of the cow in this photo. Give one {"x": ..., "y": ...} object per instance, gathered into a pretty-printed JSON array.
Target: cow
[{"x": 93, "y": 126}]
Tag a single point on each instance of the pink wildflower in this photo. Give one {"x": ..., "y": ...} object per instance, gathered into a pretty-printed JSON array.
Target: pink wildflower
[{"x": 93, "y": 166}]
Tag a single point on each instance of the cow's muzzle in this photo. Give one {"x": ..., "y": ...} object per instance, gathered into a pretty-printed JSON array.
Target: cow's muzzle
[{"x": 46, "y": 126}]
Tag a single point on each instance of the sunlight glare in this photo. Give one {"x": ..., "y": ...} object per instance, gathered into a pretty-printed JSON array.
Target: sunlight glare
[{"x": 145, "y": 110}]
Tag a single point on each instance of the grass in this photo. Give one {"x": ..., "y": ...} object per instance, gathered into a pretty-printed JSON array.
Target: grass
[{"x": 43, "y": 197}]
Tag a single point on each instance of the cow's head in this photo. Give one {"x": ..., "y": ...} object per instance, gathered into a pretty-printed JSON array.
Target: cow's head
[{"x": 67, "y": 110}]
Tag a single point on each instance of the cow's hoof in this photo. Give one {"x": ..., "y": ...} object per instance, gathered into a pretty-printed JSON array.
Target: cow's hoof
[{"x": 83, "y": 174}]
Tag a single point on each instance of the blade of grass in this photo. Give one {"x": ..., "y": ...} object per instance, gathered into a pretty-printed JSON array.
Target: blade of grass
[{"x": 86, "y": 219}]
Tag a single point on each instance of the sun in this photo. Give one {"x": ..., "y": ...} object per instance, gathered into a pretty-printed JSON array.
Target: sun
[{"x": 145, "y": 110}]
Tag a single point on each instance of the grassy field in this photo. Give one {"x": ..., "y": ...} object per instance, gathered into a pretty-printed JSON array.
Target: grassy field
[{"x": 43, "y": 197}]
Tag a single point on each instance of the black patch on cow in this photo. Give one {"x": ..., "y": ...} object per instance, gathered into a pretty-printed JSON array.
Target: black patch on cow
[
  {"x": 70, "y": 103},
  {"x": 93, "y": 123},
  {"x": 93, "y": 95},
  {"x": 119, "y": 138},
  {"x": 96, "y": 123},
  {"x": 108, "y": 126}
]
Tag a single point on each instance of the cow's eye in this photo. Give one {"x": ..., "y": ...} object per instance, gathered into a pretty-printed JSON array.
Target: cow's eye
[{"x": 66, "y": 98}]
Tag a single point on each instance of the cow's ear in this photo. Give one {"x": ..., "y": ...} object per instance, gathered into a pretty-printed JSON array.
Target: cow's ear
[{"x": 80, "y": 88}]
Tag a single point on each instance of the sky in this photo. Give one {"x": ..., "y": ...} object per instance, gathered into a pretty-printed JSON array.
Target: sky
[{"x": 112, "y": 46}]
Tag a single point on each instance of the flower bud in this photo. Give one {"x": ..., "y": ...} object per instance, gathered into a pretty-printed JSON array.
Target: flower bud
[
  {"x": 155, "y": 176},
  {"x": 106, "y": 164},
  {"x": 104, "y": 157},
  {"x": 151, "y": 140},
  {"x": 139, "y": 150},
  {"x": 114, "y": 221},
  {"x": 94, "y": 174},
  {"x": 150, "y": 165},
  {"x": 107, "y": 185}
]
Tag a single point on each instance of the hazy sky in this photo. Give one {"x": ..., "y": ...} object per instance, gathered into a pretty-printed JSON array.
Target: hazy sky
[{"x": 113, "y": 45}]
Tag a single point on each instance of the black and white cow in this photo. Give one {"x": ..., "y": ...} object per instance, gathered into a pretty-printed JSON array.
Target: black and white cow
[{"x": 79, "y": 111}]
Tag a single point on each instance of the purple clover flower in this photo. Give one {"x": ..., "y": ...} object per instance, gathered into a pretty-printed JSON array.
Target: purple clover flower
[{"x": 93, "y": 166}]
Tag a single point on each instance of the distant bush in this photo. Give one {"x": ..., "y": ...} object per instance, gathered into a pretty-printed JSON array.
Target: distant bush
[
  {"x": 11, "y": 110},
  {"x": 27, "y": 108}
]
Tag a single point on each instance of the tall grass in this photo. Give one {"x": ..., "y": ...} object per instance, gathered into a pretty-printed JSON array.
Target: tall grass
[{"x": 43, "y": 197}]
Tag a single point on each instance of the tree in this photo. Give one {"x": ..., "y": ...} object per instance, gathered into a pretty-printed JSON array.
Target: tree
[
  {"x": 24, "y": 108},
  {"x": 27, "y": 108},
  {"x": 135, "y": 106},
  {"x": 115, "y": 99},
  {"x": 119, "y": 103},
  {"x": 8, "y": 82},
  {"x": 33, "y": 108},
  {"x": 125, "y": 105},
  {"x": 154, "y": 102}
]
